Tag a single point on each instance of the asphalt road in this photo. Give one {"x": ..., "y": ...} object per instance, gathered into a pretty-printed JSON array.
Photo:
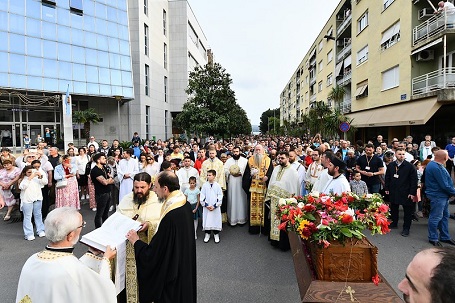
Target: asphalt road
[{"x": 241, "y": 268}]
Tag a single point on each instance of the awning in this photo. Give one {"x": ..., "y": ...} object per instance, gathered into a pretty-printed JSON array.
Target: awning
[
  {"x": 312, "y": 53},
  {"x": 390, "y": 32},
  {"x": 426, "y": 46},
  {"x": 405, "y": 113},
  {"x": 347, "y": 61},
  {"x": 338, "y": 68},
  {"x": 360, "y": 90}
]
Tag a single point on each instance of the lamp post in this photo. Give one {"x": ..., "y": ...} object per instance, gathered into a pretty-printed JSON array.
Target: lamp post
[{"x": 119, "y": 100}]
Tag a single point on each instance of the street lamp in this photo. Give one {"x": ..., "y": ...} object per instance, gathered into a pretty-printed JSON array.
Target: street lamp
[{"x": 119, "y": 100}]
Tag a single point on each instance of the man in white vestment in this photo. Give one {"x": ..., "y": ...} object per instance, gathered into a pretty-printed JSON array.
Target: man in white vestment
[
  {"x": 185, "y": 173},
  {"x": 237, "y": 208},
  {"x": 293, "y": 159},
  {"x": 324, "y": 176},
  {"x": 338, "y": 184},
  {"x": 56, "y": 275},
  {"x": 284, "y": 183},
  {"x": 127, "y": 168},
  {"x": 315, "y": 168}
]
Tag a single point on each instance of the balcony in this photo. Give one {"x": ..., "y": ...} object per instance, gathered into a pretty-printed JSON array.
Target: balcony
[
  {"x": 431, "y": 27},
  {"x": 345, "y": 23},
  {"x": 345, "y": 106},
  {"x": 346, "y": 79},
  {"x": 345, "y": 51},
  {"x": 436, "y": 80}
]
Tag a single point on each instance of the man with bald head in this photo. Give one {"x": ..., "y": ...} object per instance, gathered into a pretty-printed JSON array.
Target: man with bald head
[
  {"x": 439, "y": 187},
  {"x": 430, "y": 277}
]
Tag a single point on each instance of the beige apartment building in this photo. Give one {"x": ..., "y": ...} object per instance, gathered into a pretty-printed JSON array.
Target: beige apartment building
[{"x": 394, "y": 59}]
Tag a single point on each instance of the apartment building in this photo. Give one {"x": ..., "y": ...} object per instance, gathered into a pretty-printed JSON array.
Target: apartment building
[
  {"x": 394, "y": 59},
  {"x": 127, "y": 59},
  {"x": 167, "y": 42}
]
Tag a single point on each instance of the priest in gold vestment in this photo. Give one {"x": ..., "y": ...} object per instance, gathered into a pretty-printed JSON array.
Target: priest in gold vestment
[
  {"x": 142, "y": 205},
  {"x": 254, "y": 182}
]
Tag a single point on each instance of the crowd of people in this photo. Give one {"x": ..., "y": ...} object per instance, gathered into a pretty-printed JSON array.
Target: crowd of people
[{"x": 238, "y": 182}]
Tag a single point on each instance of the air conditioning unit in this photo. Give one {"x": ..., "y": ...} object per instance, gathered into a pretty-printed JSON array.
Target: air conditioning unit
[
  {"x": 426, "y": 13},
  {"x": 425, "y": 55}
]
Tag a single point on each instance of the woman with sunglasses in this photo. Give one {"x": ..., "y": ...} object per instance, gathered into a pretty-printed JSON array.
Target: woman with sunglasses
[
  {"x": 30, "y": 182},
  {"x": 69, "y": 194},
  {"x": 151, "y": 167}
]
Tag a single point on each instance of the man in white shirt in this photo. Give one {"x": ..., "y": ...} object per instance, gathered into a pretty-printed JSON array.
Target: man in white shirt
[
  {"x": 185, "y": 173},
  {"x": 127, "y": 168}
]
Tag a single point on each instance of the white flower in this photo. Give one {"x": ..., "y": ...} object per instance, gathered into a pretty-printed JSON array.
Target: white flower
[
  {"x": 301, "y": 205},
  {"x": 292, "y": 200},
  {"x": 368, "y": 196},
  {"x": 282, "y": 202},
  {"x": 315, "y": 194},
  {"x": 350, "y": 212}
]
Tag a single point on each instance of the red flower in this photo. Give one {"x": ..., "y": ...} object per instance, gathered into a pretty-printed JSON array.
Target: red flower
[
  {"x": 325, "y": 222},
  {"x": 346, "y": 219},
  {"x": 282, "y": 226},
  {"x": 383, "y": 208},
  {"x": 309, "y": 208},
  {"x": 284, "y": 217},
  {"x": 376, "y": 279}
]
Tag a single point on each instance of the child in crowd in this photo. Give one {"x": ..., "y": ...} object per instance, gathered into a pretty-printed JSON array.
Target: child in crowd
[
  {"x": 211, "y": 198},
  {"x": 26, "y": 141},
  {"x": 30, "y": 183},
  {"x": 358, "y": 186},
  {"x": 192, "y": 196},
  {"x": 418, "y": 198}
]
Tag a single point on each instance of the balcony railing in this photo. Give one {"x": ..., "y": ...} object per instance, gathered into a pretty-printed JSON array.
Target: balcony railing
[
  {"x": 345, "y": 51},
  {"x": 439, "y": 79},
  {"x": 346, "y": 79},
  {"x": 345, "y": 106},
  {"x": 344, "y": 23},
  {"x": 432, "y": 26}
]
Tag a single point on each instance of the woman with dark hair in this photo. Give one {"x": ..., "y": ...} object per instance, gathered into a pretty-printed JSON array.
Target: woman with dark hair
[
  {"x": 9, "y": 175},
  {"x": 81, "y": 162},
  {"x": 91, "y": 150},
  {"x": 66, "y": 195}
]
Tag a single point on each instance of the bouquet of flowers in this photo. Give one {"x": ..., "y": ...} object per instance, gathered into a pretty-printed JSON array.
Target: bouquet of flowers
[{"x": 325, "y": 218}]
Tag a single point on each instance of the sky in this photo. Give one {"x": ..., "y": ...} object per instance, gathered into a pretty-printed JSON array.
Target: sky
[{"x": 260, "y": 43}]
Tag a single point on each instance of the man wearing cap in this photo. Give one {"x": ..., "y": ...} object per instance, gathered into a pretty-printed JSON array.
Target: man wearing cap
[{"x": 338, "y": 184}]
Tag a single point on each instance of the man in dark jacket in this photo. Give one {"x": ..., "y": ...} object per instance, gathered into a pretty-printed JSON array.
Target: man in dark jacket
[{"x": 401, "y": 186}]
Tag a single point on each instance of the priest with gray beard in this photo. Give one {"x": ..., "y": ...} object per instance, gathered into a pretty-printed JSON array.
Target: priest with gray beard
[
  {"x": 143, "y": 205},
  {"x": 284, "y": 183}
]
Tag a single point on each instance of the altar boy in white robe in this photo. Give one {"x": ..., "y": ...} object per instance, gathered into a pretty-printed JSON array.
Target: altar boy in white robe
[
  {"x": 211, "y": 198},
  {"x": 127, "y": 168}
]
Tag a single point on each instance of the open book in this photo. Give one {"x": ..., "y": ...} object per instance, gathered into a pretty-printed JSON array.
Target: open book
[{"x": 112, "y": 232}]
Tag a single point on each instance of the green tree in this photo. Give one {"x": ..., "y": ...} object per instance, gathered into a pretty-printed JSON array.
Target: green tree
[
  {"x": 337, "y": 95},
  {"x": 266, "y": 121},
  {"x": 86, "y": 117},
  {"x": 211, "y": 107}
]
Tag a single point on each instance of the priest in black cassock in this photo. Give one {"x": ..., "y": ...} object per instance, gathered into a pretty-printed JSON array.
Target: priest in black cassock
[{"x": 166, "y": 268}]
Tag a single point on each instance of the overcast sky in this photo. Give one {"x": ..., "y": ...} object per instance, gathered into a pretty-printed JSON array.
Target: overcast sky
[{"x": 261, "y": 43}]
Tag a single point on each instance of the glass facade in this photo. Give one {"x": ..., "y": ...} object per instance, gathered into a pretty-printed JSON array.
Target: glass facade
[{"x": 81, "y": 43}]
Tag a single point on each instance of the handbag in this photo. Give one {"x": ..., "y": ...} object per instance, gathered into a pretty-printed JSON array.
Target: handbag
[{"x": 61, "y": 183}]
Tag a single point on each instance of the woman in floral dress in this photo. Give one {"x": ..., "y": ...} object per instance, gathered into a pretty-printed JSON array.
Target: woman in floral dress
[
  {"x": 68, "y": 195},
  {"x": 9, "y": 175}
]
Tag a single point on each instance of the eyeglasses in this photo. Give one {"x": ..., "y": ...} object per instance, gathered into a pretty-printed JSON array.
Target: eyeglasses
[
  {"x": 83, "y": 225},
  {"x": 148, "y": 159}
]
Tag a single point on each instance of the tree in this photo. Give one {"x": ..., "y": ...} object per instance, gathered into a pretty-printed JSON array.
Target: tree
[
  {"x": 86, "y": 117},
  {"x": 337, "y": 95},
  {"x": 211, "y": 107},
  {"x": 265, "y": 124}
]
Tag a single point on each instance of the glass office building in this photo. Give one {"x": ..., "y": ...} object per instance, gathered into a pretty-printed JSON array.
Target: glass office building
[{"x": 48, "y": 47}]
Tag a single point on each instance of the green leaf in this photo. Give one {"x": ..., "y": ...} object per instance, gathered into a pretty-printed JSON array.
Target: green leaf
[{"x": 346, "y": 232}]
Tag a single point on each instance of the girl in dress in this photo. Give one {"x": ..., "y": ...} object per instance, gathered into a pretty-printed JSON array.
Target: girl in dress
[{"x": 192, "y": 196}]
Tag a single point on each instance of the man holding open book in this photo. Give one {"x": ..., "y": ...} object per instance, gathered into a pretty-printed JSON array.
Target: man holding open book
[
  {"x": 166, "y": 267},
  {"x": 142, "y": 205}
]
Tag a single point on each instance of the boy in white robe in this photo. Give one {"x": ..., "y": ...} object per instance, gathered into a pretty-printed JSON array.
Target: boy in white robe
[{"x": 211, "y": 198}]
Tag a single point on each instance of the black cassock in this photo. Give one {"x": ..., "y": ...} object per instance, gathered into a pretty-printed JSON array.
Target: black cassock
[{"x": 166, "y": 268}]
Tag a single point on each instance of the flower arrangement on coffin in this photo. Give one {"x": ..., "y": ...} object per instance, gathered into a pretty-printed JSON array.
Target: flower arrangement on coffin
[{"x": 325, "y": 218}]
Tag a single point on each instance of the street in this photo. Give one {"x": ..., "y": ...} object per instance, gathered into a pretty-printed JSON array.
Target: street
[{"x": 241, "y": 268}]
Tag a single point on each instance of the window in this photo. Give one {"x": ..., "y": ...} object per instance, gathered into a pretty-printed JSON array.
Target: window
[
  {"x": 164, "y": 22},
  {"x": 321, "y": 66},
  {"x": 192, "y": 34},
  {"x": 146, "y": 39},
  {"x": 312, "y": 73},
  {"x": 165, "y": 55},
  {"x": 390, "y": 36},
  {"x": 391, "y": 78},
  {"x": 362, "y": 90},
  {"x": 362, "y": 22},
  {"x": 321, "y": 45},
  {"x": 306, "y": 80},
  {"x": 147, "y": 80},
  {"x": 165, "y": 123},
  {"x": 362, "y": 55},
  {"x": 329, "y": 79},
  {"x": 76, "y": 5},
  {"x": 165, "y": 89},
  {"x": 387, "y": 3},
  {"x": 329, "y": 56},
  {"x": 147, "y": 121},
  {"x": 146, "y": 7},
  {"x": 320, "y": 86}
]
